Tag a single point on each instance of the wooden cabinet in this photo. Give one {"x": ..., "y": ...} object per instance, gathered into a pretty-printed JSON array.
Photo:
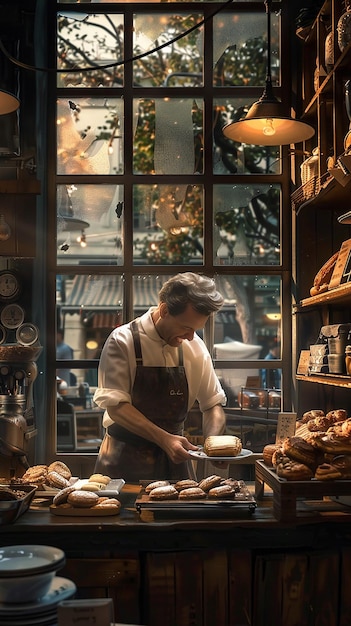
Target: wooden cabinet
[{"x": 320, "y": 201}]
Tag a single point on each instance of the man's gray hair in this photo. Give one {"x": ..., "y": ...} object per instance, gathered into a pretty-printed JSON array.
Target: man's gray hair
[{"x": 188, "y": 288}]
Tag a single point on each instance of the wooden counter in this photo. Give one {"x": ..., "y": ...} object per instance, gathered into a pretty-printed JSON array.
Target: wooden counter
[{"x": 240, "y": 569}]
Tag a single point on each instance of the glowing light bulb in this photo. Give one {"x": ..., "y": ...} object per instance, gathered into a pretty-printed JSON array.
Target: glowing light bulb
[
  {"x": 269, "y": 129},
  {"x": 5, "y": 230}
]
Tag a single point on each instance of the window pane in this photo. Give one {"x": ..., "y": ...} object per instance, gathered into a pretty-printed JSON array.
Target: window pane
[
  {"x": 168, "y": 224},
  {"x": 248, "y": 328},
  {"x": 168, "y": 136},
  {"x": 231, "y": 157},
  {"x": 89, "y": 41},
  {"x": 246, "y": 224},
  {"x": 145, "y": 292},
  {"x": 180, "y": 63},
  {"x": 89, "y": 223},
  {"x": 90, "y": 136},
  {"x": 240, "y": 49}
]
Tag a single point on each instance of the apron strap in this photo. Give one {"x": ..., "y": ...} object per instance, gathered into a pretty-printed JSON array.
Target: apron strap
[{"x": 137, "y": 346}]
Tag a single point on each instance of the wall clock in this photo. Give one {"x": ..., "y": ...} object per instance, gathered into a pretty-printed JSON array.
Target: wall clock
[
  {"x": 10, "y": 286},
  {"x": 12, "y": 316}
]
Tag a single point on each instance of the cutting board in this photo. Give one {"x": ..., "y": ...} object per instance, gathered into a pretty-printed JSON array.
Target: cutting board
[{"x": 81, "y": 512}]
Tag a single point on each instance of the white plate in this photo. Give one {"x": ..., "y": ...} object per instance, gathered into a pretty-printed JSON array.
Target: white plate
[
  {"x": 113, "y": 488},
  {"x": 201, "y": 455},
  {"x": 60, "y": 589}
]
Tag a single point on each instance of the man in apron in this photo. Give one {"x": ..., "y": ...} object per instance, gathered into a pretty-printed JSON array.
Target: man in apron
[{"x": 151, "y": 372}]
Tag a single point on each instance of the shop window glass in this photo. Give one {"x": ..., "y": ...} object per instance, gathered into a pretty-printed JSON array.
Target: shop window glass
[
  {"x": 178, "y": 65},
  {"x": 89, "y": 224},
  {"x": 90, "y": 136},
  {"x": 168, "y": 224},
  {"x": 168, "y": 136},
  {"x": 246, "y": 224},
  {"x": 231, "y": 157},
  {"x": 86, "y": 40},
  {"x": 240, "y": 49}
]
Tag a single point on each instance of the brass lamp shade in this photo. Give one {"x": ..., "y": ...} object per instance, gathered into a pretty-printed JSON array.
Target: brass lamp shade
[
  {"x": 267, "y": 124},
  {"x": 8, "y": 102}
]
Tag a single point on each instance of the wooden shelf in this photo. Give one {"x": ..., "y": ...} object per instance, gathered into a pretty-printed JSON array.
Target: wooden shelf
[
  {"x": 339, "y": 295},
  {"x": 327, "y": 379}
]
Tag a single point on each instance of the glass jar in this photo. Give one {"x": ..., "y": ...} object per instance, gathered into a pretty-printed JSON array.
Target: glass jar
[
  {"x": 344, "y": 27},
  {"x": 348, "y": 360}
]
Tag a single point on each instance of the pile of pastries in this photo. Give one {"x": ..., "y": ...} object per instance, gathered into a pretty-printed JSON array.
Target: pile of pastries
[
  {"x": 212, "y": 487},
  {"x": 56, "y": 475},
  {"x": 320, "y": 449}
]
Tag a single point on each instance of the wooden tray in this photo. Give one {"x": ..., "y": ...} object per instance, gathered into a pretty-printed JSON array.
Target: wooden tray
[
  {"x": 81, "y": 512},
  {"x": 286, "y": 492}
]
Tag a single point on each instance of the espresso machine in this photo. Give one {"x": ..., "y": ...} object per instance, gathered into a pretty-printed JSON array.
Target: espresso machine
[{"x": 18, "y": 371}]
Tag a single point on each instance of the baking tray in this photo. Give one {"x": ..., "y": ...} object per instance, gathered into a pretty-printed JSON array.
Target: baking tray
[
  {"x": 10, "y": 510},
  {"x": 113, "y": 489},
  {"x": 243, "y": 500}
]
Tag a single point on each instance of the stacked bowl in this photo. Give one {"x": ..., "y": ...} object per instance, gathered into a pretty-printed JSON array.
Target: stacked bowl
[{"x": 29, "y": 588}]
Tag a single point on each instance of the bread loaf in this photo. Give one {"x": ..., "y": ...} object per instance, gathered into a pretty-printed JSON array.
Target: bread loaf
[{"x": 222, "y": 445}]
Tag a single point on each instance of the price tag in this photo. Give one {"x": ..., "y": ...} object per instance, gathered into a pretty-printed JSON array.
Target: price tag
[{"x": 286, "y": 426}]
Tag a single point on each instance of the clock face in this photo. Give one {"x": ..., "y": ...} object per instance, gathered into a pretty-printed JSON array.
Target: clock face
[
  {"x": 27, "y": 334},
  {"x": 12, "y": 316},
  {"x": 9, "y": 286}
]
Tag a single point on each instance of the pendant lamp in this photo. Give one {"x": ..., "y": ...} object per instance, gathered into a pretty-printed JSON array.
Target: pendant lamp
[
  {"x": 267, "y": 122},
  {"x": 8, "y": 102}
]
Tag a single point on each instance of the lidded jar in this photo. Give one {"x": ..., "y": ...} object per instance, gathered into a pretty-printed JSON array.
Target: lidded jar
[
  {"x": 348, "y": 360},
  {"x": 344, "y": 27}
]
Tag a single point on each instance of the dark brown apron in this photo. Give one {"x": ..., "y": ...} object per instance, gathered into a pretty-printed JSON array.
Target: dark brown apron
[{"x": 161, "y": 395}]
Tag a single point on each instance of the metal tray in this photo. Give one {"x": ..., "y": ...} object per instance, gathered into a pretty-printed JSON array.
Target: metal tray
[
  {"x": 10, "y": 510},
  {"x": 243, "y": 500}
]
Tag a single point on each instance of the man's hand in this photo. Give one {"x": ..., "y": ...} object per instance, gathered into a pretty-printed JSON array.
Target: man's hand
[{"x": 177, "y": 447}]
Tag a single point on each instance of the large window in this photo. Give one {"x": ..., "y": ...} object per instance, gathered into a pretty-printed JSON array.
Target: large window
[{"x": 147, "y": 185}]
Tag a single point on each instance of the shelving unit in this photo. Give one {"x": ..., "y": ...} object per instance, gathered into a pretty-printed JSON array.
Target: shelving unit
[{"x": 318, "y": 203}]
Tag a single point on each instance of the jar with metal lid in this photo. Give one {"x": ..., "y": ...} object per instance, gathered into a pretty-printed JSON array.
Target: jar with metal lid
[
  {"x": 348, "y": 360},
  {"x": 344, "y": 27}
]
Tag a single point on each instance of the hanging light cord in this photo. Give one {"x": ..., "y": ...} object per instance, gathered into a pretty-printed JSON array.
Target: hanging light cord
[{"x": 117, "y": 63}]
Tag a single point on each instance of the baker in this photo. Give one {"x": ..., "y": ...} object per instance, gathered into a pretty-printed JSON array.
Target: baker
[{"x": 151, "y": 371}]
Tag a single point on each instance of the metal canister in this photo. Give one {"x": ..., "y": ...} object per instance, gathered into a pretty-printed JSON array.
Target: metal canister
[{"x": 348, "y": 360}]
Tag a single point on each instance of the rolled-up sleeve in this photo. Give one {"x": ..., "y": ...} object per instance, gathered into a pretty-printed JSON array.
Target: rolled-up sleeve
[{"x": 116, "y": 371}]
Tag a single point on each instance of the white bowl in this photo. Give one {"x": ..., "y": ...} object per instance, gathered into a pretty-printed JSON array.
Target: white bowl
[{"x": 26, "y": 572}]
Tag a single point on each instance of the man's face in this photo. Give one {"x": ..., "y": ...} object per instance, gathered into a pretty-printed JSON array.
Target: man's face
[{"x": 174, "y": 329}]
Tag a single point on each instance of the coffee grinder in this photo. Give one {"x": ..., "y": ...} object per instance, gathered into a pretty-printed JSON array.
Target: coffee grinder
[{"x": 18, "y": 371}]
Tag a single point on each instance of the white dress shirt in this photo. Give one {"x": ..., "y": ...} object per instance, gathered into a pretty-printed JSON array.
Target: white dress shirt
[{"x": 117, "y": 366}]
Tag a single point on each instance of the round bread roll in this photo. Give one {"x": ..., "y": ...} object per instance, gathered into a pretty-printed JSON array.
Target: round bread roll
[
  {"x": 326, "y": 471},
  {"x": 192, "y": 493},
  {"x": 211, "y": 481},
  {"x": 61, "y": 496},
  {"x": 57, "y": 481},
  {"x": 311, "y": 415},
  {"x": 337, "y": 415},
  {"x": 82, "y": 499},
  {"x": 108, "y": 503},
  {"x": 292, "y": 470},
  {"x": 298, "y": 449},
  {"x": 100, "y": 478},
  {"x": 165, "y": 492},
  {"x": 90, "y": 486},
  {"x": 155, "y": 484},
  {"x": 268, "y": 452},
  {"x": 187, "y": 483},
  {"x": 222, "y": 491},
  {"x": 342, "y": 463},
  {"x": 36, "y": 474},
  {"x": 60, "y": 468}
]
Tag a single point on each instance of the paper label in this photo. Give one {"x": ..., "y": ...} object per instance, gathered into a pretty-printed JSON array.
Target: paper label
[{"x": 286, "y": 426}]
